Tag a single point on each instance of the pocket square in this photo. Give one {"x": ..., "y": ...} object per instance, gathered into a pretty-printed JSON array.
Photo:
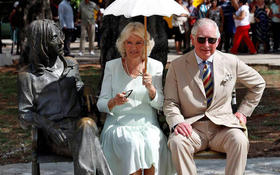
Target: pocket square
[{"x": 227, "y": 78}]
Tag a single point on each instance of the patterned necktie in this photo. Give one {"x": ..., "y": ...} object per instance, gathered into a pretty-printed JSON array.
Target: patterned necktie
[{"x": 207, "y": 82}]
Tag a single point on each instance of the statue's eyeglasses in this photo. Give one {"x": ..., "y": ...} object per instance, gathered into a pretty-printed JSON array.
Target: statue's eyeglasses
[
  {"x": 202, "y": 40},
  {"x": 128, "y": 93}
]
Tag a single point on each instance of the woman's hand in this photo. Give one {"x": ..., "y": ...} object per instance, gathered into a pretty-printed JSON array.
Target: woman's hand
[
  {"x": 119, "y": 99},
  {"x": 147, "y": 82}
]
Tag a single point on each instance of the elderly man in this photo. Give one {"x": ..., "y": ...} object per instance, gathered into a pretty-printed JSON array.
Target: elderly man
[
  {"x": 197, "y": 102},
  {"x": 50, "y": 97},
  {"x": 86, "y": 9}
]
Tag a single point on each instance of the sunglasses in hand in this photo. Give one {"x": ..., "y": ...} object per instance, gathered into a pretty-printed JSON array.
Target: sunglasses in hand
[
  {"x": 202, "y": 40},
  {"x": 128, "y": 93}
]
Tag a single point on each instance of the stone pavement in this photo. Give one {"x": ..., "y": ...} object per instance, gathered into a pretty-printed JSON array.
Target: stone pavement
[{"x": 255, "y": 166}]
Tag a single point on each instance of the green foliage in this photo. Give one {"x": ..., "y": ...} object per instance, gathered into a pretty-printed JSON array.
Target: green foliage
[
  {"x": 91, "y": 77},
  {"x": 75, "y": 3},
  {"x": 267, "y": 72},
  {"x": 8, "y": 85}
]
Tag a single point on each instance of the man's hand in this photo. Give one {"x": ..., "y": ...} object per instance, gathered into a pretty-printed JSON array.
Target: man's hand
[
  {"x": 184, "y": 129},
  {"x": 241, "y": 117},
  {"x": 57, "y": 135}
]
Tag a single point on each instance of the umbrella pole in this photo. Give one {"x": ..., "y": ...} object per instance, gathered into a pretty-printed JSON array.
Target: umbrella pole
[{"x": 145, "y": 37}]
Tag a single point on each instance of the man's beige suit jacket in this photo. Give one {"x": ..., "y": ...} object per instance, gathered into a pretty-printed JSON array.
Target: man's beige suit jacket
[{"x": 184, "y": 92}]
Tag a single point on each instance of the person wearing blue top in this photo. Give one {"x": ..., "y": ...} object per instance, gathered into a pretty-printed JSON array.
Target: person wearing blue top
[
  {"x": 203, "y": 8},
  {"x": 131, "y": 138},
  {"x": 66, "y": 19},
  {"x": 229, "y": 25}
]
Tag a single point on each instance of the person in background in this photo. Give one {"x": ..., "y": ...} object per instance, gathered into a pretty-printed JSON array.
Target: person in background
[
  {"x": 261, "y": 15},
  {"x": 242, "y": 23},
  {"x": 179, "y": 28},
  {"x": 66, "y": 19},
  {"x": 17, "y": 25},
  {"x": 50, "y": 95},
  {"x": 197, "y": 105},
  {"x": 228, "y": 26},
  {"x": 86, "y": 11},
  {"x": 54, "y": 8},
  {"x": 275, "y": 14},
  {"x": 252, "y": 9},
  {"x": 191, "y": 20},
  {"x": 132, "y": 140},
  {"x": 203, "y": 8},
  {"x": 216, "y": 14}
]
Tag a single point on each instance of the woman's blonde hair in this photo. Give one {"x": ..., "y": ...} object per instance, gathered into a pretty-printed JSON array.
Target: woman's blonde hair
[{"x": 135, "y": 28}]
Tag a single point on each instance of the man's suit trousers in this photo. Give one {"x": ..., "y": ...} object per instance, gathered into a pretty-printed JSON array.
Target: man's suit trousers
[{"x": 219, "y": 138}]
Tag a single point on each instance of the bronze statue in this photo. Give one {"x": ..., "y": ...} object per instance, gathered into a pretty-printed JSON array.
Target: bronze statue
[{"x": 50, "y": 97}]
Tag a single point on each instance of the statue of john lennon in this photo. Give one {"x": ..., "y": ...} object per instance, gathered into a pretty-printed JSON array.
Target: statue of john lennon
[{"x": 50, "y": 97}]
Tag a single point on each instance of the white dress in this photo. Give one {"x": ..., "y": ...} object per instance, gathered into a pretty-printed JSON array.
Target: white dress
[{"x": 131, "y": 138}]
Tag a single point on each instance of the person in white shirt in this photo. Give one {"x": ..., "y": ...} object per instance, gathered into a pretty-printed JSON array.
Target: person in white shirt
[{"x": 242, "y": 24}]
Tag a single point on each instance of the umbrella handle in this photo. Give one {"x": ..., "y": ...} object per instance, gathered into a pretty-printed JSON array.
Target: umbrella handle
[{"x": 145, "y": 43}]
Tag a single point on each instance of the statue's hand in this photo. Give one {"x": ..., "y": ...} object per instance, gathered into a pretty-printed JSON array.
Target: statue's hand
[{"x": 57, "y": 135}]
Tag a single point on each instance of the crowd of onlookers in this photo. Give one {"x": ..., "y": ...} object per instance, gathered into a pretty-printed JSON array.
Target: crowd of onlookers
[
  {"x": 263, "y": 18},
  {"x": 75, "y": 18}
]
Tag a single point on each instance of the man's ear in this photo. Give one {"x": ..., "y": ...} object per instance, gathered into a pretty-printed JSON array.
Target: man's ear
[
  {"x": 218, "y": 42},
  {"x": 192, "y": 38}
]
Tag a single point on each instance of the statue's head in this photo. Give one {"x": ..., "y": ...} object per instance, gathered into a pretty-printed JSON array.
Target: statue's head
[{"x": 45, "y": 40}]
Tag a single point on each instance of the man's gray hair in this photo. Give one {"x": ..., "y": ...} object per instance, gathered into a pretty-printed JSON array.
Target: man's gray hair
[{"x": 202, "y": 22}]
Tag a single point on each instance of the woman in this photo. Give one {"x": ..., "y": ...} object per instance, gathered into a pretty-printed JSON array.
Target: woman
[
  {"x": 131, "y": 138},
  {"x": 262, "y": 25},
  {"x": 216, "y": 14},
  {"x": 242, "y": 24},
  {"x": 203, "y": 8}
]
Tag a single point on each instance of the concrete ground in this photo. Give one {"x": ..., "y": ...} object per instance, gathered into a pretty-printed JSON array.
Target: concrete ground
[{"x": 255, "y": 166}]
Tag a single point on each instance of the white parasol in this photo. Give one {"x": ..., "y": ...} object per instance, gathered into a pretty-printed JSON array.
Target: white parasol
[{"x": 132, "y": 8}]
